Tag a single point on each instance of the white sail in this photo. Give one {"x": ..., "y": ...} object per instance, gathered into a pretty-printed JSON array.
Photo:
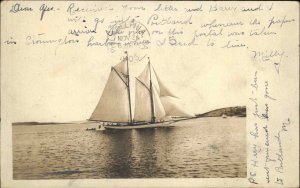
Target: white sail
[
  {"x": 121, "y": 68},
  {"x": 173, "y": 107},
  {"x": 163, "y": 90},
  {"x": 142, "y": 110},
  {"x": 159, "y": 110},
  {"x": 113, "y": 105},
  {"x": 171, "y": 103},
  {"x": 143, "y": 99}
]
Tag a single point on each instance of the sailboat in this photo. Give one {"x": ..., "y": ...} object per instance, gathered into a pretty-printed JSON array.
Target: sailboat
[{"x": 155, "y": 105}]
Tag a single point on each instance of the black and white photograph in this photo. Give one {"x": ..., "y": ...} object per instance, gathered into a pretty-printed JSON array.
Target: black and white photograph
[{"x": 103, "y": 92}]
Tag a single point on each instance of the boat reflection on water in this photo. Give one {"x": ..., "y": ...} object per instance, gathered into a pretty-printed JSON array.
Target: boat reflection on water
[{"x": 129, "y": 161}]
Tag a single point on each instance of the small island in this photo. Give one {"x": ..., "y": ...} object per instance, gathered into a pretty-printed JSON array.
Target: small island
[{"x": 238, "y": 111}]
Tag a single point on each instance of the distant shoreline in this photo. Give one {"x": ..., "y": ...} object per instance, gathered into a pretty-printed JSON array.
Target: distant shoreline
[
  {"x": 45, "y": 123},
  {"x": 238, "y": 111}
]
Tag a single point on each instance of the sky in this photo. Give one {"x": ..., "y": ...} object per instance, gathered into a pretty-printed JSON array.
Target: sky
[
  {"x": 68, "y": 87},
  {"x": 58, "y": 83}
]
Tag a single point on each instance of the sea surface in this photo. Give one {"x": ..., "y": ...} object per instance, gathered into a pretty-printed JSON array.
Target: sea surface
[{"x": 198, "y": 148}]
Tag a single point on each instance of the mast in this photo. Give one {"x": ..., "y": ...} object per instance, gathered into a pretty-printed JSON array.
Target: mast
[
  {"x": 128, "y": 89},
  {"x": 151, "y": 95}
]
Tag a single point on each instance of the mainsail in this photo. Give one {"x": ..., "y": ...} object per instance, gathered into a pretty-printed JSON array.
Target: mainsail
[
  {"x": 147, "y": 101},
  {"x": 114, "y": 104}
]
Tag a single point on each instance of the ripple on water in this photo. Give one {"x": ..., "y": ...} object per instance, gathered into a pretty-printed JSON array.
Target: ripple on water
[{"x": 193, "y": 150}]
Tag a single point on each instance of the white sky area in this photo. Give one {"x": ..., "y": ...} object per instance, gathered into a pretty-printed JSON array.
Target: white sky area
[
  {"x": 64, "y": 83},
  {"x": 67, "y": 87}
]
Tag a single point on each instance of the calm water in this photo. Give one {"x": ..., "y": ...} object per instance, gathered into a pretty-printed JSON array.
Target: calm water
[{"x": 206, "y": 147}]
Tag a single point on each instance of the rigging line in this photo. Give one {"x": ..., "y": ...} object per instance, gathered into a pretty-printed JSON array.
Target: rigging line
[
  {"x": 151, "y": 95},
  {"x": 143, "y": 84},
  {"x": 128, "y": 89},
  {"x": 119, "y": 76}
]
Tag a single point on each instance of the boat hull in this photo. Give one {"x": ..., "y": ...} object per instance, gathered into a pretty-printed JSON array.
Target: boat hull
[{"x": 145, "y": 126}]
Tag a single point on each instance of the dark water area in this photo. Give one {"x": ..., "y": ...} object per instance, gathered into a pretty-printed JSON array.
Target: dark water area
[{"x": 199, "y": 148}]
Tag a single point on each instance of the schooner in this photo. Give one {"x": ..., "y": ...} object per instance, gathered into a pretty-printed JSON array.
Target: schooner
[{"x": 155, "y": 105}]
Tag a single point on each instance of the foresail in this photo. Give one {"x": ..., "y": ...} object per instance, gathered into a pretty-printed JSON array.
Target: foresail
[
  {"x": 173, "y": 107},
  {"x": 170, "y": 102},
  {"x": 113, "y": 104},
  {"x": 163, "y": 90}
]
